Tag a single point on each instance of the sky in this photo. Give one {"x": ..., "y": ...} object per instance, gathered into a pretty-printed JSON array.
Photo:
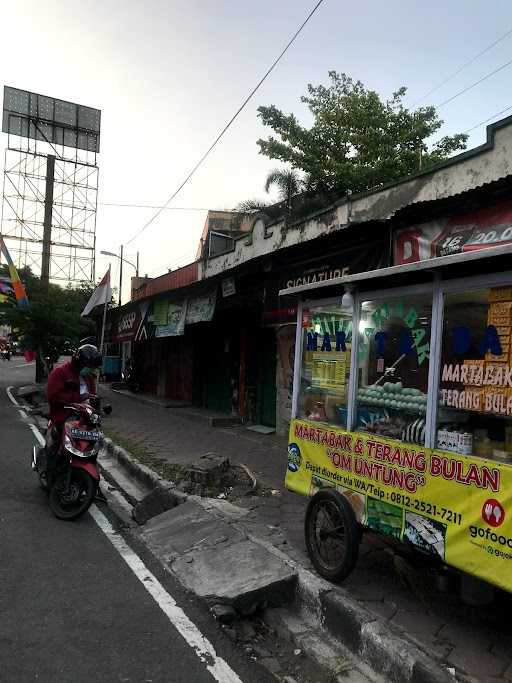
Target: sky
[{"x": 168, "y": 75}]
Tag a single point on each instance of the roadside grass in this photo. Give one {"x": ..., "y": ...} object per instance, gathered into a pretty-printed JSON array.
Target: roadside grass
[{"x": 170, "y": 471}]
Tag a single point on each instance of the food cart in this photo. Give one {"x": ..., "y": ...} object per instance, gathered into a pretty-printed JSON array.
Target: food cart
[{"x": 402, "y": 412}]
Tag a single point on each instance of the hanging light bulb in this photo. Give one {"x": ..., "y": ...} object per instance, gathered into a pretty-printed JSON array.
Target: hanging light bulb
[{"x": 347, "y": 300}]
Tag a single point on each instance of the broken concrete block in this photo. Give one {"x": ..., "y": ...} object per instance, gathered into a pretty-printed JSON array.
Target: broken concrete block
[
  {"x": 156, "y": 502},
  {"x": 224, "y": 613},
  {"x": 178, "y": 530},
  {"x": 243, "y": 574}
]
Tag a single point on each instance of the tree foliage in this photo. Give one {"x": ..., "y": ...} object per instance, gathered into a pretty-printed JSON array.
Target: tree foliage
[
  {"x": 52, "y": 322},
  {"x": 357, "y": 141},
  {"x": 288, "y": 183}
]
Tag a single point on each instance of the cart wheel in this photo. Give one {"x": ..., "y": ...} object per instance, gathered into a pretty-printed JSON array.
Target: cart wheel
[{"x": 332, "y": 535}]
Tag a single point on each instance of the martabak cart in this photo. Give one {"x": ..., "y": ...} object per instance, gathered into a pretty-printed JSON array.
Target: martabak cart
[{"x": 402, "y": 412}]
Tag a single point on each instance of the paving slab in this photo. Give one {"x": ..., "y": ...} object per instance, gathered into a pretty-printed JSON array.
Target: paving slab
[
  {"x": 243, "y": 574},
  {"x": 176, "y": 531}
]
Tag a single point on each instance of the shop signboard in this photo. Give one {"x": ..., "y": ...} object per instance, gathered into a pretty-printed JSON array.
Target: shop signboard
[
  {"x": 131, "y": 323},
  {"x": 202, "y": 308},
  {"x": 352, "y": 260},
  {"x": 228, "y": 287},
  {"x": 175, "y": 327},
  {"x": 456, "y": 508},
  {"x": 481, "y": 229},
  {"x": 312, "y": 275},
  {"x": 160, "y": 312}
]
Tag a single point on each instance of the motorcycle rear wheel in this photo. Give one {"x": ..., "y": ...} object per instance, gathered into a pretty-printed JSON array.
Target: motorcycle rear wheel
[{"x": 71, "y": 502}]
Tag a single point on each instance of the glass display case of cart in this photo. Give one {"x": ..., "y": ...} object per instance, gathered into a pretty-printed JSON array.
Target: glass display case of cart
[
  {"x": 325, "y": 371},
  {"x": 475, "y": 385},
  {"x": 393, "y": 367}
]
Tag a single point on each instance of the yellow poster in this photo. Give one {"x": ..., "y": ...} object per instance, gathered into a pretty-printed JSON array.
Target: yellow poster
[{"x": 454, "y": 507}]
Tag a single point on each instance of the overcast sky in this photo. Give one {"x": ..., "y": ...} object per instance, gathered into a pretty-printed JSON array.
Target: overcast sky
[{"x": 167, "y": 76}]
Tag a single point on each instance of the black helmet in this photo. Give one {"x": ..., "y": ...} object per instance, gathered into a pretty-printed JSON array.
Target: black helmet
[{"x": 87, "y": 356}]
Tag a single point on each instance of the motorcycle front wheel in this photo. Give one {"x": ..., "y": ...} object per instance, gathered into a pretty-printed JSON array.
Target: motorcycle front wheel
[{"x": 69, "y": 500}]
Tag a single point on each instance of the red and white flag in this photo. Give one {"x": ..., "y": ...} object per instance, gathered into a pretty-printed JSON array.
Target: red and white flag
[{"x": 101, "y": 295}]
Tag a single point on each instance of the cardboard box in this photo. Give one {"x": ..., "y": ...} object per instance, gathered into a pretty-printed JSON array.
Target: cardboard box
[
  {"x": 498, "y": 359},
  {"x": 500, "y": 294}
]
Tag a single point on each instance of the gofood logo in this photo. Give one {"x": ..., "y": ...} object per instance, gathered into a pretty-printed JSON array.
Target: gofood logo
[
  {"x": 294, "y": 457},
  {"x": 493, "y": 513}
]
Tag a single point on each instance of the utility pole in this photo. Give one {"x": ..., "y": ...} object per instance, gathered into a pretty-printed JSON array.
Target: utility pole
[
  {"x": 137, "y": 267},
  {"x": 121, "y": 275},
  {"x": 47, "y": 223},
  {"x": 47, "y": 247}
]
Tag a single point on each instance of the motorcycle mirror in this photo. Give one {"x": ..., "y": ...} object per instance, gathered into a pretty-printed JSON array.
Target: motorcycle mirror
[{"x": 107, "y": 409}]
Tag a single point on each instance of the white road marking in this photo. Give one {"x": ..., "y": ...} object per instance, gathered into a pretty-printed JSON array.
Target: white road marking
[
  {"x": 11, "y": 397},
  {"x": 218, "y": 668},
  {"x": 25, "y": 365},
  {"x": 23, "y": 414},
  {"x": 37, "y": 434}
]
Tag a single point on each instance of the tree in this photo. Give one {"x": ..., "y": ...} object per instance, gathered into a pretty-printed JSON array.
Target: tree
[
  {"x": 357, "y": 141},
  {"x": 52, "y": 322},
  {"x": 288, "y": 183}
]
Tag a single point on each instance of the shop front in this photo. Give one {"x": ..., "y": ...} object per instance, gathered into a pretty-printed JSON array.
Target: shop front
[
  {"x": 402, "y": 412},
  {"x": 334, "y": 256}
]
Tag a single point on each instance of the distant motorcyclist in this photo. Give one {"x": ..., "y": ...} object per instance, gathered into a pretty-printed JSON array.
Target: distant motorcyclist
[{"x": 72, "y": 382}]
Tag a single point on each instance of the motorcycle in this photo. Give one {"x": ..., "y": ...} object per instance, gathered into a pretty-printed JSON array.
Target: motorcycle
[
  {"x": 73, "y": 484},
  {"x": 130, "y": 380}
]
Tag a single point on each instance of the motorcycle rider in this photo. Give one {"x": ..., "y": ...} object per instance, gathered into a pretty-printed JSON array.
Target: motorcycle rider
[{"x": 73, "y": 382}]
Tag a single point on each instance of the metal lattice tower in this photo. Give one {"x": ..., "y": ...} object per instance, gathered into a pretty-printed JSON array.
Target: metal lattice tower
[{"x": 73, "y": 206}]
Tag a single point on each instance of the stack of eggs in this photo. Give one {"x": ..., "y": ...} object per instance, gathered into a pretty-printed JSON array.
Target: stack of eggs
[{"x": 393, "y": 396}]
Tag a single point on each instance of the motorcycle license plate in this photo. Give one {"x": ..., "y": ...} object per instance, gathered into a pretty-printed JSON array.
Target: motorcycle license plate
[{"x": 84, "y": 435}]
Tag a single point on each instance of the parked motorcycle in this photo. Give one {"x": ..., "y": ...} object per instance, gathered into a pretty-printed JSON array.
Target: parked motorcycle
[
  {"x": 73, "y": 484},
  {"x": 129, "y": 378}
]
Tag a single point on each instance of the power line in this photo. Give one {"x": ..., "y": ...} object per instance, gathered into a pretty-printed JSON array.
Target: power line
[
  {"x": 223, "y": 131},
  {"x": 462, "y": 67},
  {"x": 151, "y": 206},
  {"x": 473, "y": 85},
  {"x": 489, "y": 119},
  {"x": 176, "y": 261}
]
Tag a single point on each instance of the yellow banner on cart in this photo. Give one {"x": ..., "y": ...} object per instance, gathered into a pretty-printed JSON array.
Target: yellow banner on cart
[{"x": 455, "y": 507}]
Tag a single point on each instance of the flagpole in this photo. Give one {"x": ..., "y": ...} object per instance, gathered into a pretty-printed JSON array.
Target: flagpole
[{"x": 107, "y": 290}]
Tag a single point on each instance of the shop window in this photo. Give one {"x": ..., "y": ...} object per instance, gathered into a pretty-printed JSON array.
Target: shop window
[
  {"x": 475, "y": 389},
  {"x": 327, "y": 334},
  {"x": 394, "y": 353}
]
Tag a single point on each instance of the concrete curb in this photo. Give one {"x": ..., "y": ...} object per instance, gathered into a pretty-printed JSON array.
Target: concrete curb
[
  {"x": 145, "y": 475},
  {"x": 366, "y": 635}
]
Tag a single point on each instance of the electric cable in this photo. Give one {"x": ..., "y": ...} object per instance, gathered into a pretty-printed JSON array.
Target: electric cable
[
  {"x": 152, "y": 206},
  {"x": 462, "y": 67},
  {"x": 488, "y": 119},
  {"x": 473, "y": 85},
  {"x": 175, "y": 263},
  {"x": 230, "y": 122}
]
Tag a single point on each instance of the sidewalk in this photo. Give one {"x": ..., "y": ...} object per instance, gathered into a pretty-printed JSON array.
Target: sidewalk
[{"x": 477, "y": 641}]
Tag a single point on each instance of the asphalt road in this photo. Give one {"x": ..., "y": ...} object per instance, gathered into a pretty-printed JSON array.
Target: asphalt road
[{"x": 71, "y": 608}]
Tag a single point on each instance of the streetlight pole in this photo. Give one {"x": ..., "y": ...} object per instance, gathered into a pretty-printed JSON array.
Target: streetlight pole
[
  {"x": 122, "y": 260},
  {"x": 120, "y": 275}
]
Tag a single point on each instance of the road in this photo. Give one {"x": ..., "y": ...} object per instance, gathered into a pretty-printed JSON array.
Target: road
[{"x": 83, "y": 601}]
